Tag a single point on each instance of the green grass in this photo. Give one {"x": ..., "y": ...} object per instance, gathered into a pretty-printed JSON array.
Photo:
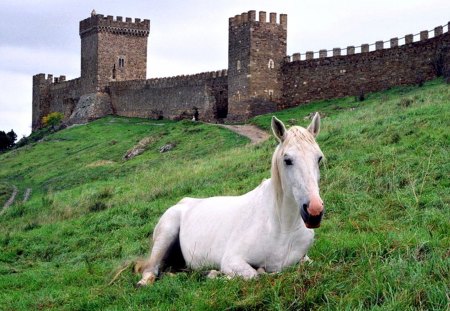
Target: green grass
[
  {"x": 384, "y": 243},
  {"x": 5, "y": 193}
]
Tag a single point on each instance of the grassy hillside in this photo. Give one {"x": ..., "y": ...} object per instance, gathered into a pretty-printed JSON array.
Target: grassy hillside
[{"x": 384, "y": 243}]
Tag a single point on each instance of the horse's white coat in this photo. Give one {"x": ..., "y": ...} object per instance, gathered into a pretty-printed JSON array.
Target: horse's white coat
[{"x": 260, "y": 229}]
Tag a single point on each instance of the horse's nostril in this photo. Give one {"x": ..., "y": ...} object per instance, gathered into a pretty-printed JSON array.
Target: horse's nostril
[{"x": 305, "y": 206}]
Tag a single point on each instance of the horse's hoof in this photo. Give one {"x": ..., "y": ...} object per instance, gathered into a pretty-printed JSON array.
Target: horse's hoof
[
  {"x": 261, "y": 271},
  {"x": 146, "y": 281},
  {"x": 141, "y": 284},
  {"x": 213, "y": 274}
]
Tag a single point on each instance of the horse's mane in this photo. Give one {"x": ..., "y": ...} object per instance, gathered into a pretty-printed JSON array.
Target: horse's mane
[
  {"x": 296, "y": 133},
  {"x": 275, "y": 176}
]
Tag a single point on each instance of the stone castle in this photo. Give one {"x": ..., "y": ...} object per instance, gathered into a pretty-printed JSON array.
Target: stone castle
[{"x": 260, "y": 77}]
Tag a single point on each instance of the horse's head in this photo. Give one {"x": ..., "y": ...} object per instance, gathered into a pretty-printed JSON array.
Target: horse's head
[{"x": 295, "y": 168}]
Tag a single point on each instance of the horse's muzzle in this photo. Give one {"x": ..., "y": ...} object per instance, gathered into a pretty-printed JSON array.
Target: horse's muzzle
[{"x": 311, "y": 221}]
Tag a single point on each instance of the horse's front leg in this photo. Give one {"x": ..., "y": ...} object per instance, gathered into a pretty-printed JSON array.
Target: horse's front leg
[{"x": 238, "y": 267}]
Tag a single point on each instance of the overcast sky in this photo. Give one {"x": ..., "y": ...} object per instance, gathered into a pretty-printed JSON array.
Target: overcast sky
[{"x": 186, "y": 37}]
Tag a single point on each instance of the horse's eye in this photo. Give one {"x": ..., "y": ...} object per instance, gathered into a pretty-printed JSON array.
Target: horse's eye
[
  {"x": 320, "y": 160},
  {"x": 288, "y": 161}
]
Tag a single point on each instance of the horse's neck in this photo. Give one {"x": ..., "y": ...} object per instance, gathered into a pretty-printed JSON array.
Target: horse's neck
[{"x": 285, "y": 214}]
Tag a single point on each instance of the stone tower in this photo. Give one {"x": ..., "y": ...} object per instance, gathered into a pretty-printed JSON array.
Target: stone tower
[
  {"x": 112, "y": 50},
  {"x": 40, "y": 104},
  {"x": 256, "y": 50}
]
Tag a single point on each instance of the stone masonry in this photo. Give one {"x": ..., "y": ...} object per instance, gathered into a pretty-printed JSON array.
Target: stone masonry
[
  {"x": 112, "y": 50},
  {"x": 256, "y": 51},
  {"x": 354, "y": 74},
  {"x": 260, "y": 77}
]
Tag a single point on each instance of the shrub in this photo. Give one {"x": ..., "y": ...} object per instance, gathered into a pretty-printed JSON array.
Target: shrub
[{"x": 52, "y": 119}]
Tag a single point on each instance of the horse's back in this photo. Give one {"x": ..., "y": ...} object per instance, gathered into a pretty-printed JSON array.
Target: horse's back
[{"x": 189, "y": 200}]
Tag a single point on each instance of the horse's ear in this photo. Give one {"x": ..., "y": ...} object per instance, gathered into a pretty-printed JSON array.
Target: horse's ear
[
  {"x": 314, "y": 127},
  {"x": 278, "y": 129}
]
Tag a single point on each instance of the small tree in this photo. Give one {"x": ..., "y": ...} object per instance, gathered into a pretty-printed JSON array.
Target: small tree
[
  {"x": 52, "y": 119},
  {"x": 4, "y": 140},
  {"x": 12, "y": 138},
  {"x": 7, "y": 140}
]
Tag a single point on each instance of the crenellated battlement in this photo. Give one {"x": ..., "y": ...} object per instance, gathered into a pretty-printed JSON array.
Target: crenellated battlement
[
  {"x": 50, "y": 83},
  {"x": 250, "y": 17},
  {"x": 65, "y": 84},
  {"x": 41, "y": 78},
  {"x": 396, "y": 42},
  {"x": 118, "y": 25},
  {"x": 175, "y": 81},
  {"x": 49, "y": 79}
]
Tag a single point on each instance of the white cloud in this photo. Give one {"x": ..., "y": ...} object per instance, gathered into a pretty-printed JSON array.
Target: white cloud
[
  {"x": 15, "y": 102},
  {"x": 33, "y": 61}
]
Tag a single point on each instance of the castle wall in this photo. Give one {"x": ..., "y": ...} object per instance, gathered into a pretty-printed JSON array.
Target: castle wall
[
  {"x": 63, "y": 96},
  {"x": 339, "y": 76},
  {"x": 53, "y": 95},
  {"x": 173, "y": 98}
]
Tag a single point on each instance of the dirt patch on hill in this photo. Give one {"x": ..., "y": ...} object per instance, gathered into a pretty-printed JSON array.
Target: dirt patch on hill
[
  {"x": 10, "y": 201},
  {"x": 100, "y": 163},
  {"x": 255, "y": 134},
  {"x": 139, "y": 148}
]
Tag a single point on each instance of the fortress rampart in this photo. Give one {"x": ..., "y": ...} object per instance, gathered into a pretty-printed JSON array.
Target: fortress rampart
[
  {"x": 173, "y": 97},
  {"x": 54, "y": 94},
  {"x": 307, "y": 79},
  {"x": 260, "y": 77}
]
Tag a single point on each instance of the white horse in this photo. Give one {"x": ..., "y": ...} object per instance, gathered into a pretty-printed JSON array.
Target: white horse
[{"x": 266, "y": 229}]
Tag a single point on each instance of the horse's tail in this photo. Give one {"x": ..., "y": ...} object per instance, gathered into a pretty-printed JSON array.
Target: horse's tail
[
  {"x": 121, "y": 269},
  {"x": 139, "y": 265}
]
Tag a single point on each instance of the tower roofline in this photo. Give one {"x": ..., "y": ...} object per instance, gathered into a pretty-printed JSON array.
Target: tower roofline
[
  {"x": 250, "y": 16},
  {"x": 100, "y": 23}
]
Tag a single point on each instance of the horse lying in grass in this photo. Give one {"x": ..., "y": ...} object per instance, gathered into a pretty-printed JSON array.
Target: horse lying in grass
[{"x": 266, "y": 229}]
